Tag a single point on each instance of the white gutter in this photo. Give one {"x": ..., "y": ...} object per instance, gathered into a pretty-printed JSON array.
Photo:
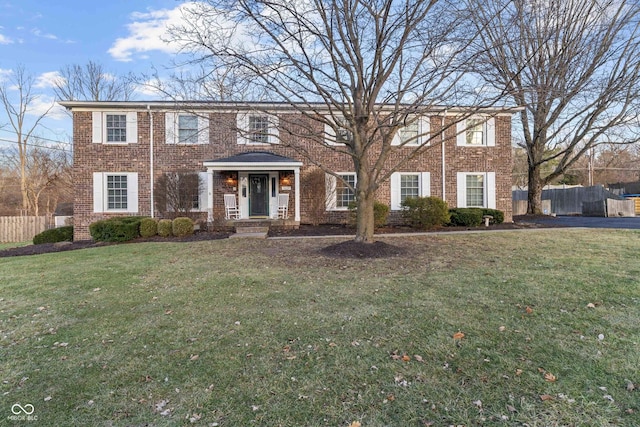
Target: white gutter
[
  {"x": 151, "y": 160},
  {"x": 444, "y": 167}
]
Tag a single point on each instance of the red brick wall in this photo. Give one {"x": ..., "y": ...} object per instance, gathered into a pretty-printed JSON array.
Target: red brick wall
[{"x": 89, "y": 158}]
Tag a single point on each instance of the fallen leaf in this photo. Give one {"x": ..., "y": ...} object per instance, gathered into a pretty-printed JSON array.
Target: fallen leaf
[
  {"x": 502, "y": 328},
  {"x": 418, "y": 357},
  {"x": 458, "y": 335},
  {"x": 529, "y": 310},
  {"x": 194, "y": 357},
  {"x": 541, "y": 370},
  {"x": 355, "y": 424},
  {"x": 194, "y": 418},
  {"x": 518, "y": 372},
  {"x": 391, "y": 398},
  {"x": 332, "y": 344},
  {"x": 545, "y": 397},
  {"x": 406, "y": 358},
  {"x": 511, "y": 408},
  {"x": 168, "y": 312},
  {"x": 630, "y": 386},
  {"x": 550, "y": 377},
  {"x": 591, "y": 305}
]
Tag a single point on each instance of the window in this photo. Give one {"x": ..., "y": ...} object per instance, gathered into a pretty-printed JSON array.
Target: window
[
  {"x": 408, "y": 184},
  {"x": 338, "y": 134},
  {"x": 476, "y": 132},
  {"x": 414, "y": 134},
  {"x": 115, "y": 192},
  {"x": 339, "y": 194},
  {"x": 187, "y": 129},
  {"x": 184, "y": 128},
  {"x": 114, "y": 127},
  {"x": 257, "y": 129},
  {"x": 476, "y": 190},
  {"x": 344, "y": 194}
]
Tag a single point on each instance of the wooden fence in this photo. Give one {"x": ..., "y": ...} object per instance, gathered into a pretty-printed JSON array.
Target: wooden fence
[{"x": 21, "y": 228}]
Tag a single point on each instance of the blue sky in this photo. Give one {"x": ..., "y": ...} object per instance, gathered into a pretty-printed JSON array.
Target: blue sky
[{"x": 45, "y": 36}]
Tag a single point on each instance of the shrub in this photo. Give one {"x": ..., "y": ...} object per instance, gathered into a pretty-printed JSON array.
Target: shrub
[
  {"x": 164, "y": 227},
  {"x": 466, "y": 217},
  {"x": 380, "y": 213},
  {"x": 182, "y": 226},
  {"x": 425, "y": 212},
  {"x": 60, "y": 234},
  {"x": 498, "y": 216},
  {"x": 148, "y": 227},
  {"x": 118, "y": 229}
]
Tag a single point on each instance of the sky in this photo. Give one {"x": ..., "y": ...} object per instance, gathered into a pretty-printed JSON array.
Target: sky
[{"x": 44, "y": 36}]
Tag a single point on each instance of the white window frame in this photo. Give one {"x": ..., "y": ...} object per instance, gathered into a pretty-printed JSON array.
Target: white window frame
[
  {"x": 423, "y": 124},
  {"x": 488, "y": 131},
  {"x": 489, "y": 191},
  {"x": 424, "y": 187},
  {"x": 99, "y": 127},
  {"x": 243, "y": 121},
  {"x": 330, "y": 137},
  {"x": 172, "y": 128},
  {"x": 332, "y": 193},
  {"x": 101, "y": 194}
]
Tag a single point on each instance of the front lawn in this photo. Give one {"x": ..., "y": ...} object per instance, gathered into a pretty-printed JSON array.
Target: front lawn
[{"x": 537, "y": 328}]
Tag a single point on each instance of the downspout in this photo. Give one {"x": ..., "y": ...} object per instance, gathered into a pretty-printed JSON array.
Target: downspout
[
  {"x": 151, "y": 160},
  {"x": 444, "y": 167}
]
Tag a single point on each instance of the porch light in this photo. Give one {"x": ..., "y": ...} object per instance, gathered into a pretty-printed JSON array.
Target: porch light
[
  {"x": 285, "y": 181},
  {"x": 230, "y": 178}
]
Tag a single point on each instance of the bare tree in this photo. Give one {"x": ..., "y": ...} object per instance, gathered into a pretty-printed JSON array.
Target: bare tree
[
  {"x": 92, "y": 82},
  {"x": 361, "y": 68},
  {"x": 18, "y": 102},
  {"x": 176, "y": 193},
  {"x": 572, "y": 65}
]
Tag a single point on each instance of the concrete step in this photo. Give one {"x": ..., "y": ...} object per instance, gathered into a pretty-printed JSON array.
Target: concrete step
[
  {"x": 248, "y": 229},
  {"x": 262, "y": 235}
]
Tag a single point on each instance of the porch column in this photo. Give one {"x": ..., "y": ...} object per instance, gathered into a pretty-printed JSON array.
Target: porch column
[
  {"x": 296, "y": 181},
  {"x": 209, "y": 195}
]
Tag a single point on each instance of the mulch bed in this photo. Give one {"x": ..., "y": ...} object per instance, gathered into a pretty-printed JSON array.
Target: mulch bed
[{"x": 349, "y": 248}]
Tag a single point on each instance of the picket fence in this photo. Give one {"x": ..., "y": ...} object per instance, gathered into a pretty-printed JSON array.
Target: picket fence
[{"x": 21, "y": 228}]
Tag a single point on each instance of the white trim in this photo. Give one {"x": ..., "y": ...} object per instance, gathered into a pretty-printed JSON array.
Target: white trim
[
  {"x": 424, "y": 187},
  {"x": 488, "y": 192},
  {"x": 330, "y": 133},
  {"x": 331, "y": 189},
  {"x": 424, "y": 133},
  {"x": 242, "y": 123},
  {"x": 488, "y": 132},
  {"x": 99, "y": 127},
  {"x": 100, "y": 194},
  {"x": 249, "y": 166}
]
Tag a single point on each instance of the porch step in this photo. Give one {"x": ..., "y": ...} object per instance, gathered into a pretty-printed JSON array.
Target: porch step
[{"x": 251, "y": 231}]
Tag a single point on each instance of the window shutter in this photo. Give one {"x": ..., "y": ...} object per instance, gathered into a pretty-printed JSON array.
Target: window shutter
[
  {"x": 132, "y": 127},
  {"x": 203, "y": 198},
  {"x": 203, "y": 129},
  {"x": 461, "y": 132},
  {"x": 491, "y": 190},
  {"x": 98, "y": 192},
  {"x": 274, "y": 131},
  {"x": 96, "y": 127},
  {"x": 424, "y": 129},
  {"x": 425, "y": 184},
  {"x": 132, "y": 192},
  {"x": 462, "y": 190},
  {"x": 242, "y": 123},
  {"x": 170, "y": 131},
  {"x": 491, "y": 132},
  {"x": 395, "y": 191},
  {"x": 330, "y": 188}
]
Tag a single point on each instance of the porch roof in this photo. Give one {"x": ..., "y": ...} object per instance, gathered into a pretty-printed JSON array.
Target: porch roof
[{"x": 253, "y": 160}]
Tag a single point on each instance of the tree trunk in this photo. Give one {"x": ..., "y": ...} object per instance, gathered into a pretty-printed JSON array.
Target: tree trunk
[
  {"x": 534, "y": 205},
  {"x": 365, "y": 198}
]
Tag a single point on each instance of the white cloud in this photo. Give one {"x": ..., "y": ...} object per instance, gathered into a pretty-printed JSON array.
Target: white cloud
[
  {"x": 148, "y": 32},
  {"x": 40, "y": 105},
  {"x": 5, "y": 40},
  {"x": 48, "y": 79},
  {"x": 38, "y": 33},
  {"x": 4, "y": 74}
]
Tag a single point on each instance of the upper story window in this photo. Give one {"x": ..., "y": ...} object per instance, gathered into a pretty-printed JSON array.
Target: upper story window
[
  {"x": 339, "y": 133},
  {"x": 257, "y": 128},
  {"x": 414, "y": 134},
  {"x": 476, "y": 131},
  {"x": 186, "y": 128},
  {"x": 114, "y": 127}
]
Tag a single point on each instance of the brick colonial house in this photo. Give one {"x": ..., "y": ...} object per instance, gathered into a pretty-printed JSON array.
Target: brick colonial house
[{"x": 236, "y": 149}]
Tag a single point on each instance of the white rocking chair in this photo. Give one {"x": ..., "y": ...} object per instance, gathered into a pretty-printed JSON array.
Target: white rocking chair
[
  {"x": 231, "y": 209},
  {"x": 283, "y": 205}
]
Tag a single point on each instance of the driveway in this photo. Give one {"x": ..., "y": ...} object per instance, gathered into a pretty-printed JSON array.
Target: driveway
[{"x": 632, "y": 223}]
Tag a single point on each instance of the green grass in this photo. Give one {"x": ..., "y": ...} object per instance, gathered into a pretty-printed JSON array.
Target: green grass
[
  {"x": 270, "y": 333},
  {"x": 14, "y": 245}
]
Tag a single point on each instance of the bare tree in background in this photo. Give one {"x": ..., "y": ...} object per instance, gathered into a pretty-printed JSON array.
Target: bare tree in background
[
  {"x": 92, "y": 82},
  {"x": 573, "y": 67},
  {"x": 361, "y": 68},
  {"x": 176, "y": 193},
  {"x": 18, "y": 103}
]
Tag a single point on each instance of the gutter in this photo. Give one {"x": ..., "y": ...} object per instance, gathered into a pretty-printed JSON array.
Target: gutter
[{"x": 151, "y": 160}]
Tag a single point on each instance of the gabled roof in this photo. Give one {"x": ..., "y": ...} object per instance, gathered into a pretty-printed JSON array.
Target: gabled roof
[{"x": 253, "y": 160}]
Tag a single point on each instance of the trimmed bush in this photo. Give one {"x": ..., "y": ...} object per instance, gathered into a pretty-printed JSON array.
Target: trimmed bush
[
  {"x": 60, "y": 234},
  {"x": 182, "y": 226},
  {"x": 148, "y": 227},
  {"x": 466, "y": 217},
  {"x": 425, "y": 212},
  {"x": 380, "y": 213},
  {"x": 164, "y": 227},
  {"x": 498, "y": 216},
  {"x": 118, "y": 229}
]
